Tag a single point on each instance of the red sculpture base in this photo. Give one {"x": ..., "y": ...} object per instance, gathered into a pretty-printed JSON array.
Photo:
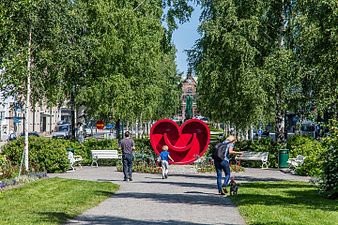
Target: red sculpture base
[{"x": 186, "y": 143}]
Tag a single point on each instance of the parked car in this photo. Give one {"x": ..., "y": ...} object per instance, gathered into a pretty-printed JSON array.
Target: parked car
[
  {"x": 34, "y": 133},
  {"x": 12, "y": 137},
  {"x": 308, "y": 128},
  {"x": 62, "y": 131}
]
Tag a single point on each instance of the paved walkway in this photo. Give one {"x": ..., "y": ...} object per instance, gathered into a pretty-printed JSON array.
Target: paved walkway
[{"x": 184, "y": 198}]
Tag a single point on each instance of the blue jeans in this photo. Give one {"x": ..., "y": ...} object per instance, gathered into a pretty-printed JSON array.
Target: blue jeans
[
  {"x": 222, "y": 165},
  {"x": 127, "y": 161}
]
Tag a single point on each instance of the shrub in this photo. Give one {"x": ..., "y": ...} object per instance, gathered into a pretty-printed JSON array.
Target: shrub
[
  {"x": 6, "y": 168},
  {"x": 262, "y": 145},
  {"x": 44, "y": 154},
  {"x": 144, "y": 153},
  {"x": 207, "y": 166},
  {"x": 312, "y": 149},
  {"x": 141, "y": 167},
  {"x": 90, "y": 144},
  {"x": 329, "y": 185}
]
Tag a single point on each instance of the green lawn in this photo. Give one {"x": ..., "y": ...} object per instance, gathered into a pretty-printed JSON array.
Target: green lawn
[
  {"x": 51, "y": 201},
  {"x": 284, "y": 203}
]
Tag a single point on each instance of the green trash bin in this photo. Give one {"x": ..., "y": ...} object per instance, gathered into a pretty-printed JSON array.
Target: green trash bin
[{"x": 283, "y": 157}]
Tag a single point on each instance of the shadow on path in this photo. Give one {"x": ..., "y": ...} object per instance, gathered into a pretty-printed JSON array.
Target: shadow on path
[
  {"x": 194, "y": 199},
  {"x": 124, "y": 221},
  {"x": 182, "y": 184}
]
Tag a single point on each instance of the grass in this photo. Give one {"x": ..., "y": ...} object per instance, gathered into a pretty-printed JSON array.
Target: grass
[
  {"x": 51, "y": 201},
  {"x": 285, "y": 203}
]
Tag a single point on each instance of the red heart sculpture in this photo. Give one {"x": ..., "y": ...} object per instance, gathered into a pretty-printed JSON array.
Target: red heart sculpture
[{"x": 186, "y": 143}]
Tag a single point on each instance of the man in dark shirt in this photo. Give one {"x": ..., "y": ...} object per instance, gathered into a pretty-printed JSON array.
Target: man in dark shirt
[{"x": 127, "y": 144}]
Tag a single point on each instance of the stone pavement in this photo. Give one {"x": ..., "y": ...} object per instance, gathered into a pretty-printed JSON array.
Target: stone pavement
[{"x": 184, "y": 198}]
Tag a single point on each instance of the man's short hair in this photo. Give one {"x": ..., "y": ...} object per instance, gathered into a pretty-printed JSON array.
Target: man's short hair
[{"x": 127, "y": 134}]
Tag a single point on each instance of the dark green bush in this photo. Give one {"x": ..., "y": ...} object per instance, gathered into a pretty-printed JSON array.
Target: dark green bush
[
  {"x": 144, "y": 153},
  {"x": 262, "y": 145},
  {"x": 44, "y": 154},
  {"x": 94, "y": 144},
  {"x": 329, "y": 185},
  {"x": 312, "y": 149},
  {"x": 6, "y": 168}
]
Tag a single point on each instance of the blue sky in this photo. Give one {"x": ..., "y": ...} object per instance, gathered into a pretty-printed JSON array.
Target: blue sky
[{"x": 184, "y": 38}]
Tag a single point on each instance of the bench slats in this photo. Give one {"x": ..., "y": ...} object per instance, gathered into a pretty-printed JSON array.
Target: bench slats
[
  {"x": 259, "y": 156},
  {"x": 104, "y": 154}
]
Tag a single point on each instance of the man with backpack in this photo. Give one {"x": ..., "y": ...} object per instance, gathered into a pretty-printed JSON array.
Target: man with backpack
[{"x": 221, "y": 156}]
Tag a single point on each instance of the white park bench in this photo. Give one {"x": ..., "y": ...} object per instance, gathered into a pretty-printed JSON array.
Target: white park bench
[
  {"x": 74, "y": 159},
  {"x": 104, "y": 154},
  {"x": 295, "y": 162},
  {"x": 254, "y": 156}
]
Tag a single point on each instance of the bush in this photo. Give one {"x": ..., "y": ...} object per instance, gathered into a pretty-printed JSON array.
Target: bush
[
  {"x": 262, "y": 145},
  {"x": 312, "y": 149},
  {"x": 144, "y": 153},
  {"x": 329, "y": 185},
  {"x": 141, "y": 166},
  {"x": 44, "y": 154},
  {"x": 93, "y": 144},
  {"x": 6, "y": 168},
  {"x": 207, "y": 166}
]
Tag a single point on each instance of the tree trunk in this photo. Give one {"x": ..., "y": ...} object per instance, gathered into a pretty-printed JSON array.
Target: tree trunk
[
  {"x": 280, "y": 119},
  {"x": 251, "y": 133},
  {"x": 72, "y": 113},
  {"x": 247, "y": 133},
  {"x": 26, "y": 159},
  {"x": 280, "y": 112}
]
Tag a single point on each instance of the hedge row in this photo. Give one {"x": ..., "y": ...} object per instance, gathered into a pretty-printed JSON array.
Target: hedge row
[{"x": 50, "y": 155}]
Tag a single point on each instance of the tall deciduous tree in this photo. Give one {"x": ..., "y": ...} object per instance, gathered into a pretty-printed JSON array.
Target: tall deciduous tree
[{"x": 257, "y": 58}]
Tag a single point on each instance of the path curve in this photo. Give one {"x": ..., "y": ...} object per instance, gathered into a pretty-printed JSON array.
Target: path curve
[{"x": 184, "y": 198}]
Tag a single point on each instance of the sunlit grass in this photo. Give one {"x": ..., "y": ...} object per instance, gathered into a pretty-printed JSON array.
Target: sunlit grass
[
  {"x": 284, "y": 203},
  {"x": 51, "y": 201}
]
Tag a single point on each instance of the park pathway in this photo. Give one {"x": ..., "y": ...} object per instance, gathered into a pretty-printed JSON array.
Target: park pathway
[{"x": 184, "y": 198}]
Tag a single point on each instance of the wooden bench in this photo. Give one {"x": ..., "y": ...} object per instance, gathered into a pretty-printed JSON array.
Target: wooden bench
[
  {"x": 254, "y": 156},
  {"x": 104, "y": 154}
]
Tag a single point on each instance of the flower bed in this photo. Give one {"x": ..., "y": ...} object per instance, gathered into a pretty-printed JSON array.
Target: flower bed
[
  {"x": 11, "y": 183},
  {"x": 207, "y": 166}
]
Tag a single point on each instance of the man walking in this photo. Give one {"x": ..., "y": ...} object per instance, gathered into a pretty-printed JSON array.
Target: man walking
[{"x": 127, "y": 144}]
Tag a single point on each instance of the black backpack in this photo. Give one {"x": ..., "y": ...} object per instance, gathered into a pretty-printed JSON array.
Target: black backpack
[{"x": 219, "y": 151}]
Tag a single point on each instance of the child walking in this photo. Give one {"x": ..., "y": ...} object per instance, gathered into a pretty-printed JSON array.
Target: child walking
[{"x": 165, "y": 161}]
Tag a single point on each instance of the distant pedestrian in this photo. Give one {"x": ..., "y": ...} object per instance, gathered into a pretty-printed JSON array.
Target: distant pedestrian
[
  {"x": 128, "y": 146},
  {"x": 80, "y": 133},
  {"x": 221, "y": 158},
  {"x": 165, "y": 156}
]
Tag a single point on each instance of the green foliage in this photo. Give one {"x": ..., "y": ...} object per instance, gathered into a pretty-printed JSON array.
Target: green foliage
[
  {"x": 50, "y": 154},
  {"x": 262, "y": 145},
  {"x": 329, "y": 185},
  {"x": 207, "y": 166},
  {"x": 141, "y": 167},
  {"x": 6, "y": 168},
  {"x": 44, "y": 155},
  {"x": 144, "y": 158},
  {"x": 312, "y": 149},
  {"x": 257, "y": 60}
]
